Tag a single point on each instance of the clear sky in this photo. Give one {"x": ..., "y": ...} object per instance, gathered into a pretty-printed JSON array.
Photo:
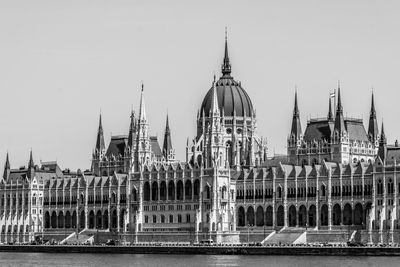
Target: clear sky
[{"x": 63, "y": 61}]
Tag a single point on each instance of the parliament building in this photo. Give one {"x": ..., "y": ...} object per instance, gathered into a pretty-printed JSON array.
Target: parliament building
[{"x": 336, "y": 178}]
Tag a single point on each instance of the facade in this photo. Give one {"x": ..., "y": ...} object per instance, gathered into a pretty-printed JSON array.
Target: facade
[{"x": 339, "y": 176}]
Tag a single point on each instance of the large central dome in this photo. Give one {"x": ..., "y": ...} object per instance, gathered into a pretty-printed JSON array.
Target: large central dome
[{"x": 232, "y": 98}]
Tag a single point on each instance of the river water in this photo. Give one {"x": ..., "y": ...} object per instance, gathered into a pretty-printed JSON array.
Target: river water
[{"x": 74, "y": 259}]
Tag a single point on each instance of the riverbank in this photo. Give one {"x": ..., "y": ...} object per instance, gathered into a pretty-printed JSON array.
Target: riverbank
[{"x": 210, "y": 250}]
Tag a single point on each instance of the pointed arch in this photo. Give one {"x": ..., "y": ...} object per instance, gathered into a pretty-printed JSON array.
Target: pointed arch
[
  {"x": 241, "y": 216},
  {"x": 188, "y": 190},
  {"x": 171, "y": 190},
  {"x": 260, "y": 216},
  {"x": 146, "y": 191},
  {"x": 250, "y": 216},
  {"x": 269, "y": 217},
  {"x": 179, "y": 190}
]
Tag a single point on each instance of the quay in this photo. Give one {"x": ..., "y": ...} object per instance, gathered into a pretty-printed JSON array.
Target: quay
[{"x": 211, "y": 250}]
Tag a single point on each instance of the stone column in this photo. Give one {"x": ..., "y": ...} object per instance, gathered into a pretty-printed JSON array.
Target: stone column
[{"x": 329, "y": 191}]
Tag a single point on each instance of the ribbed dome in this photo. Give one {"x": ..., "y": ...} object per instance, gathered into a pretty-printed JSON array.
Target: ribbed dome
[{"x": 231, "y": 97}]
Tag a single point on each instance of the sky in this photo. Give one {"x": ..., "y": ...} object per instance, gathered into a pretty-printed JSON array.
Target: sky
[{"x": 61, "y": 62}]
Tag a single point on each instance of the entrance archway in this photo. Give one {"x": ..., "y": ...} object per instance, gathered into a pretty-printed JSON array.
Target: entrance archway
[
  {"x": 302, "y": 216},
  {"x": 336, "y": 214},
  {"x": 269, "y": 217},
  {"x": 292, "y": 216},
  {"x": 260, "y": 216},
  {"x": 250, "y": 215},
  {"x": 358, "y": 214},
  {"x": 324, "y": 215},
  {"x": 312, "y": 216},
  {"x": 347, "y": 214},
  {"x": 280, "y": 216},
  {"x": 241, "y": 217}
]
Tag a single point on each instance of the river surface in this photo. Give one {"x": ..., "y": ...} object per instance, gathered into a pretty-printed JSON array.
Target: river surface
[{"x": 75, "y": 259}]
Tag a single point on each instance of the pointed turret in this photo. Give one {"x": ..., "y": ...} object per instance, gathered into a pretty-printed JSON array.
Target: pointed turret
[
  {"x": 382, "y": 150},
  {"x": 167, "y": 145},
  {"x": 31, "y": 166},
  {"x": 339, "y": 118},
  {"x": 143, "y": 146},
  {"x": 214, "y": 105},
  {"x": 6, "y": 168},
  {"x": 382, "y": 139},
  {"x": 373, "y": 131},
  {"x": 142, "y": 111},
  {"x": 226, "y": 66},
  {"x": 100, "y": 147},
  {"x": 132, "y": 129},
  {"x": 296, "y": 124},
  {"x": 330, "y": 114}
]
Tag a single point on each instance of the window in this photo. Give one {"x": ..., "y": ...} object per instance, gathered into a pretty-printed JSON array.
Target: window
[
  {"x": 188, "y": 218},
  {"x": 162, "y": 219},
  {"x": 154, "y": 219},
  {"x": 34, "y": 200},
  {"x": 179, "y": 218},
  {"x": 146, "y": 219},
  {"x": 171, "y": 218}
]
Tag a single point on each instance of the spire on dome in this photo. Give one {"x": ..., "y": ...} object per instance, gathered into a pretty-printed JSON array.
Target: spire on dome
[
  {"x": 373, "y": 131},
  {"x": 142, "y": 112},
  {"x": 100, "y": 146},
  {"x": 226, "y": 66}
]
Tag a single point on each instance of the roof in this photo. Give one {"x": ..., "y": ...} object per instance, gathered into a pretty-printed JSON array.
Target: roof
[
  {"x": 393, "y": 153},
  {"x": 321, "y": 129},
  {"x": 117, "y": 145},
  {"x": 231, "y": 97},
  {"x": 355, "y": 129},
  {"x": 318, "y": 130},
  {"x": 155, "y": 146}
]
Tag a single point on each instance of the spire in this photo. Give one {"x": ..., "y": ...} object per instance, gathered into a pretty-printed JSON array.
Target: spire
[
  {"x": 214, "y": 105},
  {"x": 132, "y": 127},
  {"x": 100, "y": 138},
  {"x": 31, "y": 164},
  {"x": 373, "y": 123},
  {"x": 296, "y": 124},
  {"x": 226, "y": 66},
  {"x": 167, "y": 145},
  {"x": 330, "y": 116},
  {"x": 382, "y": 140},
  {"x": 382, "y": 150},
  {"x": 142, "y": 112},
  {"x": 6, "y": 168},
  {"x": 339, "y": 119}
]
